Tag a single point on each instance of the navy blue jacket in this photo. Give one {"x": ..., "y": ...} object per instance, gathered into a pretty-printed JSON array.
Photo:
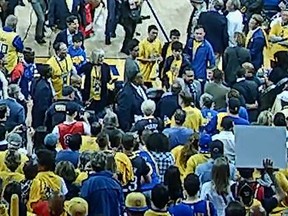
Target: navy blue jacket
[
  {"x": 256, "y": 45},
  {"x": 212, "y": 20},
  {"x": 104, "y": 194},
  {"x": 129, "y": 104},
  {"x": 200, "y": 59},
  {"x": 167, "y": 105},
  {"x": 62, "y": 37}
]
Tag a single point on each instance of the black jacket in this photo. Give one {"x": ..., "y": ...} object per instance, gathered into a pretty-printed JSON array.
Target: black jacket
[{"x": 62, "y": 37}]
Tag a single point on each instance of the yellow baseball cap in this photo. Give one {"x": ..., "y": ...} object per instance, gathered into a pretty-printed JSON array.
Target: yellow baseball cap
[
  {"x": 76, "y": 205},
  {"x": 136, "y": 202}
]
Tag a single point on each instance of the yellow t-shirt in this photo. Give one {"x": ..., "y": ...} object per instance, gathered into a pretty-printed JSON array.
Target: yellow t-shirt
[
  {"x": 147, "y": 50},
  {"x": 169, "y": 50},
  {"x": 61, "y": 72},
  {"x": 194, "y": 119},
  {"x": 151, "y": 212},
  {"x": 196, "y": 45},
  {"x": 42, "y": 187},
  {"x": 173, "y": 73},
  {"x": 7, "y": 48},
  {"x": 81, "y": 177},
  {"x": 3, "y": 166},
  {"x": 256, "y": 203},
  {"x": 194, "y": 161},
  {"x": 176, "y": 153},
  {"x": 89, "y": 144},
  {"x": 8, "y": 176},
  {"x": 278, "y": 30}
]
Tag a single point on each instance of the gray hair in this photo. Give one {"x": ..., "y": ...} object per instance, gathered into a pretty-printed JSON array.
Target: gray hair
[
  {"x": 203, "y": 98},
  {"x": 148, "y": 107},
  {"x": 236, "y": 4},
  {"x": 11, "y": 21},
  {"x": 95, "y": 54}
]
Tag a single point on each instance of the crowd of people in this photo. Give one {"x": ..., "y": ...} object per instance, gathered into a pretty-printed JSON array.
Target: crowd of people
[{"x": 76, "y": 141}]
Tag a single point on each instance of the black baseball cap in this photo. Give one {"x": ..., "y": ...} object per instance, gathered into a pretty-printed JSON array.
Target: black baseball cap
[
  {"x": 71, "y": 108},
  {"x": 67, "y": 90},
  {"x": 216, "y": 149},
  {"x": 234, "y": 105}
]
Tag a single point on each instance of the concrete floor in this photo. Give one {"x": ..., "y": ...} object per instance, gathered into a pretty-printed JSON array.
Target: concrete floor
[{"x": 171, "y": 13}]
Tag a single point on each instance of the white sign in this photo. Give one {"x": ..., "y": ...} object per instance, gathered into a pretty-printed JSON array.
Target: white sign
[{"x": 255, "y": 143}]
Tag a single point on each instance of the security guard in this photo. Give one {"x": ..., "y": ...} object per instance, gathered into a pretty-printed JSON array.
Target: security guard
[
  {"x": 62, "y": 68},
  {"x": 56, "y": 113},
  {"x": 10, "y": 42}
]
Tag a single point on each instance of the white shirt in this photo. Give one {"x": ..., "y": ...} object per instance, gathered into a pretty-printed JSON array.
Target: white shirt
[
  {"x": 140, "y": 91},
  {"x": 228, "y": 140},
  {"x": 69, "y": 38},
  {"x": 234, "y": 24}
]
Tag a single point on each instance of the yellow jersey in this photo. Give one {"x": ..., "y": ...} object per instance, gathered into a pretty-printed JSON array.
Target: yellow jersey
[
  {"x": 3, "y": 166},
  {"x": 194, "y": 161},
  {"x": 194, "y": 119},
  {"x": 175, "y": 67},
  {"x": 176, "y": 153},
  {"x": 89, "y": 144},
  {"x": 43, "y": 186},
  {"x": 81, "y": 177},
  {"x": 61, "y": 72},
  {"x": 8, "y": 176},
  {"x": 7, "y": 48},
  {"x": 278, "y": 30},
  {"x": 169, "y": 50},
  {"x": 151, "y": 212},
  {"x": 148, "y": 50}
]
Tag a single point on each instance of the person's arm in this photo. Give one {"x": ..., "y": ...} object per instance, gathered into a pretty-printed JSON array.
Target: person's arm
[
  {"x": 87, "y": 128},
  {"x": 30, "y": 134},
  {"x": 211, "y": 56},
  {"x": 258, "y": 43},
  {"x": 56, "y": 131},
  {"x": 124, "y": 111},
  {"x": 18, "y": 44},
  {"x": 4, "y": 82}
]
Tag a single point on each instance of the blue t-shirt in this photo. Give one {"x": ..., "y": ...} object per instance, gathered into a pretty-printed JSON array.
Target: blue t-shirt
[
  {"x": 68, "y": 155},
  {"x": 202, "y": 207},
  {"x": 177, "y": 135}
]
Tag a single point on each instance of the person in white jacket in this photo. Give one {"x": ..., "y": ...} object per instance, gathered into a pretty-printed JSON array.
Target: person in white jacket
[{"x": 234, "y": 20}]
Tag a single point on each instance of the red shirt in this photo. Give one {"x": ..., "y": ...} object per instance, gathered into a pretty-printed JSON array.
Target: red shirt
[{"x": 65, "y": 130}]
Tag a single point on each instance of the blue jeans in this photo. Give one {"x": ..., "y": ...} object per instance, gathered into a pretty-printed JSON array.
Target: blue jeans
[{"x": 39, "y": 6}]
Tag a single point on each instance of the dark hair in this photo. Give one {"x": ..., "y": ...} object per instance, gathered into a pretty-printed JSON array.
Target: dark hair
[
  {"x": 192, "y": 184},
  {"x": 199, "y": 27},
  {"x": 115, "y": 137},
  {"x": 74, "y": 142},
  {"x": 189, "y": 149},
  {"x": 102, "y": 140},
  {"x": 246, "y": 173},
  {"x": 43, "y": 69},
  {"x": 235, "y": 208},
  {"x": 187, "y": 99},
  {"x": 281, "y": 58},
  {"x": 217, "y": 75},
  {"x": 77, "y": 38},
  {"x": 30, "y": 170},
  {"x": 227, "y": 123},
  {"x": 3, "y": 131},
  {"x": 176, "y": 45},
  {"x": 180, "y": 116},
  {"x": 128, "y": 141},
  {"x": 152, "y": 27},
  {"x": 207, "y": 102},
  {"x": 96, "y": 128},
  {"x": 158, "y": 142},
  {"x": 3, "y": 110},
  {"x": 132, "y": 44},
  {"x": 70, "y": 19},
  {"x": 46, "y": 159},
  {"x": 57, "y": 46},
  {"x": 241, "y": 72},
  {"x": 175, "y": 32},
  {"x": 279, "y": 119},
  {"x": 84, "y": 159},
  {"x": 160, "y": 196},
  {"x": 173, "y": 181}
]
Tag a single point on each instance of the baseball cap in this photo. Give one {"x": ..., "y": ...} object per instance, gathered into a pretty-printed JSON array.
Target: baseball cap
[
  {"x": 204, "y": 141},
  {"x": 234, "y": 105},
  {"x": 136, "y": 202},
  {"x": 245, "y": 192},
  {"x": 216, "y": 149},
  {"x": 71, "y": 108},
  {"x": 76, "y": 206},
  {"x": 14, "y": 141},
  {"x": 51, "y": 140},
  {"x": 67, "y": 90}
]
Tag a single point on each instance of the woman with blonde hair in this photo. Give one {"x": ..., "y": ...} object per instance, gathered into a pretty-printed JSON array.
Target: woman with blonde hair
[
  {"x": 265, "y": 118},
  {"x": 95, "y": 80},
  {"x": 234, "y": 57},
  {"x": 218, "y": 190}
]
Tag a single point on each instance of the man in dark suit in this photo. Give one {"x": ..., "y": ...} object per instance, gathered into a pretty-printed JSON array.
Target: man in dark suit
[
  {"x": 65, "y": 36},
  {"x": 130, "y": 99},
  {"x": 212, "y": 20},
  {"x": 60, "y": 10}
]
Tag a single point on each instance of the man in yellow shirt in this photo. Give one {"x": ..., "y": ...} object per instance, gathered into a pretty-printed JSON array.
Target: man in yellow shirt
[
  {"x": 279, "y": 34},
  {"x": 10, "y": 42},
  {"x": 150, "y": 55},
  {"x": 62, "y": 68}
]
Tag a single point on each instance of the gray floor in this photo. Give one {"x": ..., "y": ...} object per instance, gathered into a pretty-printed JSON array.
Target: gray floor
[{"x": 171, "y": 13}]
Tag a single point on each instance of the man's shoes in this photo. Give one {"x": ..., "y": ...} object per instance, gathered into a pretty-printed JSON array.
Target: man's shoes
[
  {"x": 107, "y": 40},
  {"x": 40, "y": 41}
]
